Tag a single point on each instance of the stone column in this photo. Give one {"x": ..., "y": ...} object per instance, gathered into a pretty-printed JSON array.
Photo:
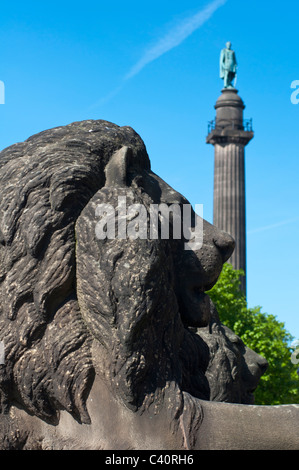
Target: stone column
[{"x": 229, "y": 138}]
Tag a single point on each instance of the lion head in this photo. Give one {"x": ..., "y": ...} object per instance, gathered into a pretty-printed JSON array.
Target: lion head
[
  {"x": 234, "y": 369},
  {"x": 74, "y": 304}
]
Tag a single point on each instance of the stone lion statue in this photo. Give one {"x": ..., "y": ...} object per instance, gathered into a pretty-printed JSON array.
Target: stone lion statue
[{"x": 112, "y": 342}]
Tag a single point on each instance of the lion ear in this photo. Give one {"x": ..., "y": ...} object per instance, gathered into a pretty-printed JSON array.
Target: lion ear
[{"x": 117, "y": 169}]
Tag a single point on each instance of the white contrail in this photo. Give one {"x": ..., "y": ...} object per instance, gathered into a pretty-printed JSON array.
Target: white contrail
[
  {"x": 271, "y": 227},
  {"x": 106, "y": 98},
  {"x": 176, "y": 36}
]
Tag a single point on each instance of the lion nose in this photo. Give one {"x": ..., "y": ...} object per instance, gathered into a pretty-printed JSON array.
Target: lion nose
[{"x": 225, "y": 243}]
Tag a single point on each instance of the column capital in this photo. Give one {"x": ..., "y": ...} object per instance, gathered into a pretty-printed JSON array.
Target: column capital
[{"x": 229, "y": 136}]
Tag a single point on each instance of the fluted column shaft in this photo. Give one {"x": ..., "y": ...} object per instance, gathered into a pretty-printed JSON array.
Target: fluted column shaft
[
  {"x": 229, "y": 138},
  {"x": 229, "y": 199}
]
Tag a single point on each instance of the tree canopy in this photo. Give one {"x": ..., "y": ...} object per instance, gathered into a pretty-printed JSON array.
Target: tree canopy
[{"x": 261, "y": 332}]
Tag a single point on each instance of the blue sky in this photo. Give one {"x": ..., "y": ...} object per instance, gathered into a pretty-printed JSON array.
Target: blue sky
[{"x": 154, "y": 66}]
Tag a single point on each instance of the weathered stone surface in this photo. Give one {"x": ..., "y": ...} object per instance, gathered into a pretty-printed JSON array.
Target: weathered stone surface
[{"x": 112, "y": 343}]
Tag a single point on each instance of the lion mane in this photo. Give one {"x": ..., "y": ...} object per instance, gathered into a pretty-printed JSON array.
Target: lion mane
[
  {"x": 52, "y": 310},
  {"x": 45, "y": 183}
]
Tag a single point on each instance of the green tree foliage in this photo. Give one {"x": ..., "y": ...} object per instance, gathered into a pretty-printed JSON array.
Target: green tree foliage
[{"x": 261, "y": 332}]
